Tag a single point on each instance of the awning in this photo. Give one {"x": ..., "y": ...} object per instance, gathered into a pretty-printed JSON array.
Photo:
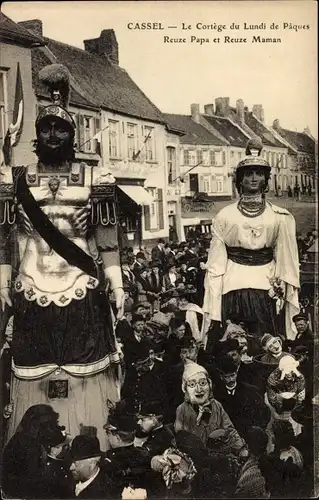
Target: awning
[{"x": 137, "y": 194}]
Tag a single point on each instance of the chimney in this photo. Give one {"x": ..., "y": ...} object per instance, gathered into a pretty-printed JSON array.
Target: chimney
[
  {"x": 222, "y": 106},
  {"x": 209, "y": 109},
  {"x": 276, "y": 125},
  {"x": 258, "y": 111},
  {"x": 105, "y": 45},
  {"x": 33, "y": 25},
  {"x": 195, "y": 112},
  {"x": 240, "y": 109}
]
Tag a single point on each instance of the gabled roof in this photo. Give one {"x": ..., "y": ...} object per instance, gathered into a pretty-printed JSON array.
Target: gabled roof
[
  {"x": 229, "y": 130},
  {"x": 11, "y": 32},
  {"x": 263, "y": 132},
  {"x": 107, "y": 85},
  {"x": 194, "y": 132},
  {"x": 39, "y": 60},
  {"x": 302, "y": 142}
]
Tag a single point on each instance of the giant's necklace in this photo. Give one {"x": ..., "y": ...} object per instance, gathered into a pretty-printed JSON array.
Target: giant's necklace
[{"x": 251, "y": 205}]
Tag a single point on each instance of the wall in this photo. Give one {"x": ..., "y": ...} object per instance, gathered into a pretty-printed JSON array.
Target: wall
[
  {"x": 10, "y": 55},
  {"x": 174, "y": 188},
  {"x": 153, "y": 171}
]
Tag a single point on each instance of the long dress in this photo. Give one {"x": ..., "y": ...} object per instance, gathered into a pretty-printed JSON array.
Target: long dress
[
  {"x": 64, "y": 352},
  {"x": 245, "y": 254}
]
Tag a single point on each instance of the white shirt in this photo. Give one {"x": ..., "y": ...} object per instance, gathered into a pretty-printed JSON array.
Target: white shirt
[{"x": 81, "y": 486}]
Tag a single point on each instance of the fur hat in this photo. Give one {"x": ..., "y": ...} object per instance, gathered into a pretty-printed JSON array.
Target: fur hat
[
  {"x": 56, "y": 78},
  {"x": 84, "y": 446}
]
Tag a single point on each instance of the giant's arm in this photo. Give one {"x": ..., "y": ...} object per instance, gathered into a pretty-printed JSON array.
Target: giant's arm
[{"x": 215, "y": 269}]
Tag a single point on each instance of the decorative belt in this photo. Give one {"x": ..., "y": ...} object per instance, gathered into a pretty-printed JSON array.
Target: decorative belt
[{"x": 247, "y": 257}]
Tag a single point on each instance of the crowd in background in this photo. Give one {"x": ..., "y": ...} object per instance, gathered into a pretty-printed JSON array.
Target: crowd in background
[{"x": 249, "y": 436}]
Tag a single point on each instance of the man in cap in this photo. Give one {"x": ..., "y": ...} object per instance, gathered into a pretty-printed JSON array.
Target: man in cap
[
  {"x": 304, "y": 336},
  {"x": 150, "y": 419},
  {"x": 91, "y": 481},
  {"x": 253, "y": 255},
  {"x": 273, "y": 347},
  {"x": 139, "y": 263},
  {"x": 68, "y": 260},
  {"x": 205, "y": 417},
  {"x": 144, "y": 378}
]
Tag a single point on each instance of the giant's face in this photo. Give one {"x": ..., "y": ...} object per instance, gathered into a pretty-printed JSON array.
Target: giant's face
[
  {"x": 253, "y": 180},
  {"x": 198, "y": 388},
  {"x": 54, "y": 137}
]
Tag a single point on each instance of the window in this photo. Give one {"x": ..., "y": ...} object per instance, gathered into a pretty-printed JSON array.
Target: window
[
  {"x": 153, "y": 209},
  {"x": 114, "y": 139},
  {"x": 88, "y": 134},
  {"x": 219, "y": 184},
  {"x": 3, "y": 106},
  {"x": 171, "y": 164},
  {"x": 239, "y": 156},
  {"x": 273, "y": 161},
  {"x": 206, "y": 184},
  {"x": 192, "y": 157},
  {"x": 212, "y": 158},
  {"x": 205, "y": 157},
  {"x": 223, "y": 158},
  {"x": 131, "y": 140},
  {"x": 149, "y": 143},
  {"x": 199, "y": 156},
  {"x": 186, "y": 159}
]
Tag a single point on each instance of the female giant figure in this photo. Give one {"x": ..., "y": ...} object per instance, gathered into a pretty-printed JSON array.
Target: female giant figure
[{"x": 253, "y": 267}]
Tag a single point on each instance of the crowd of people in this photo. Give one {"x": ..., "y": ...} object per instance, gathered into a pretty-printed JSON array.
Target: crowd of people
[{"x": 196, "y": 419}]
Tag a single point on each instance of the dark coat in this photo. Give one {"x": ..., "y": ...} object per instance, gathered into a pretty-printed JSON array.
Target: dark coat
[
  {"x": 245, "y": 408},
  {"x": 101, "y": 487},
  {"x": 145, "y": 387},
  {"x": 131, "y": 347},
  {"x": 158, "y": 441},
  {"x": 23, "y": 466},
  {"x": 57, "y": 480},
  {"x": 158, "y": 254}
]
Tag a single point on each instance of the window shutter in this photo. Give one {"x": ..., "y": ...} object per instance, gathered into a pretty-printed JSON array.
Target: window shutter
[
  {"x": 97, "y": 128},
  {"x": 160, "y": 209},
  {"x": 80, "y": 127},
  {"x": 147, "y": 217},
  {"x": 214, "y": 184}
]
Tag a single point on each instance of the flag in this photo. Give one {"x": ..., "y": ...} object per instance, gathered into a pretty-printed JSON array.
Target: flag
[
  {"x": 98, "y": 138},
  {"x": 136, "y": 155},
  {"x": 15, "y": 127},
  {"x": 6, "y": 150}
]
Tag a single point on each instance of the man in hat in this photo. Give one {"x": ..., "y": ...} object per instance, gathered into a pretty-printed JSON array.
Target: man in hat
[
  {"x": 139, "y": 263},
  {"x": 91, "y": 480},
  {"x": 204, "y": 416},
  {"x": 68, "y": 260},
  {"x": 133, "y": 339},
  {"x": 156, "y": 280},
  {"x": 150, "y": 419},
  {"x": 126, "y": 464},
  {"x": 144, "y": 378},
  {"x": 253, "y": 255},
  {"x": 242, "y": 402},
  {"x": 129, "y": 279},
  {"x": 158, "y": 252}
]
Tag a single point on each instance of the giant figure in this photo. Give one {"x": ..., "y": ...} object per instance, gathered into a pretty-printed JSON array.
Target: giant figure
[
  {"x": 62, "y": 230},
  {"x": 253, "y": 266}
]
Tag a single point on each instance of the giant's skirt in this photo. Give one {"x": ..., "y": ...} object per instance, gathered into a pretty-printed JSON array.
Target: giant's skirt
[
  {"x": 79, "y": 335},
  {"x": 255, "y": 306}
]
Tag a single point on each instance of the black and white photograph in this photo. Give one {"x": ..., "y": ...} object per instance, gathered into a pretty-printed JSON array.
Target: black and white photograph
[{"x": 159, "y": 250}]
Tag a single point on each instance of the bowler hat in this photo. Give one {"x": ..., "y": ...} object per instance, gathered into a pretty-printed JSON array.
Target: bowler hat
[
  {"x": 151, "y": 408},
  {"x": 121, "y": 418},
  {"x": 84, "y": 446},
  {"x": 156, "y": 263}
]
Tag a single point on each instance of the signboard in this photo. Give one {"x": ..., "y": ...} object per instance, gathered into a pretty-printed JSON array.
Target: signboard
[{"x": 191, "y": 205}]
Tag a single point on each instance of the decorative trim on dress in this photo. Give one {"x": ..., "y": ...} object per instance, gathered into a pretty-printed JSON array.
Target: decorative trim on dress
[{"x": 62, "y": 298}]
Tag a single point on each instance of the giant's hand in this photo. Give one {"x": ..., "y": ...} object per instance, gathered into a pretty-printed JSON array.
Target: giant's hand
[
  {"x": 119, "y": 302},
  {"x": 5, "y": 297}
]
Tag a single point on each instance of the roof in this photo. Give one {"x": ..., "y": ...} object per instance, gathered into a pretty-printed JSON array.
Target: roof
[
  {"x": 229, "y": 130},
  {"x": 13, "y": 32},
  {"x": 106, "y": 84},
  {"x": 194, "y": 132},
  {"x": 301, "y": 141},
  {"x": 39, "y": 60},
  {"x": 262, "y": 131}
]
